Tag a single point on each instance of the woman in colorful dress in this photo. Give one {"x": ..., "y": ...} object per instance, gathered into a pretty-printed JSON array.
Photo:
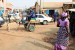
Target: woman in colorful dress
[{"x": 62, "y": 40}]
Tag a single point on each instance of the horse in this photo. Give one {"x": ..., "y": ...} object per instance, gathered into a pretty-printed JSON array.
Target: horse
[{"x": 12, "y": 18}]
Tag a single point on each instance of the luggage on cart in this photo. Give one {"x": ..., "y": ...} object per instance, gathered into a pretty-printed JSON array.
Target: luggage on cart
[{"x": 30, "y": 25}]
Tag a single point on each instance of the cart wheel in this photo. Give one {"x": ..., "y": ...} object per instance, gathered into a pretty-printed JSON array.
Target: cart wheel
[
  {"x": 25, "y": 26},
  {"x": 31, "y": 28}
]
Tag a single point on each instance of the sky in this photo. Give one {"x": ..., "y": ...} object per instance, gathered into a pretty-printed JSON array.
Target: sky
[{"x": 28, "y": 3}]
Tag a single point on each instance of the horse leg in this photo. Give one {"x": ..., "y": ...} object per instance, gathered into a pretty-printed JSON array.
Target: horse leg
[
  {"x": 18, "y": 26},
  {"x": 8, "y": 27}
]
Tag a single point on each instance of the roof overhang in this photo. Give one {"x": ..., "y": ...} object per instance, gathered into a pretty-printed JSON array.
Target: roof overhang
[
  {"x": 69, "y": 2},
  {"x": 52, "y": 8},
  {"x": 72, "y": 10}
]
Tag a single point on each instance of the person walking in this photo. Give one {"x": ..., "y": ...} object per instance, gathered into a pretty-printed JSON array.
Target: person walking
[
  {"x": 55, "y": 16},
  {"x": 62, "y": 40}
]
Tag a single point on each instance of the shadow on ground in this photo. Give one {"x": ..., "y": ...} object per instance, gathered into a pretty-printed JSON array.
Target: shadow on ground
[
  {"x": 14, "y": 29},
  {"x": 51, "y": 36},
  {"x": 52, "y": 31},
  {"x": 40, "y": 45}
]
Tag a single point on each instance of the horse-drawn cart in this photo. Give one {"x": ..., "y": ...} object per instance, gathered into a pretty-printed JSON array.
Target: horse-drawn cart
[{"x": 30, "y": 25}]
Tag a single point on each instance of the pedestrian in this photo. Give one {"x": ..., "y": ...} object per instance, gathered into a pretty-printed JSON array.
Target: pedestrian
[
  {"x": 62, "y": 40},
  {"x": 32, "y": 14},
  {"x": 55, "y": 16}
]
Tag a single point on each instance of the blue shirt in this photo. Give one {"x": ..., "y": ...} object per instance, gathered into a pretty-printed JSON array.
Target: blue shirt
[{"x": 32, "y": 14}]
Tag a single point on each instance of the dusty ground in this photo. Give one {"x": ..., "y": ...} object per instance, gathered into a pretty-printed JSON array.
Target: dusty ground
[{"x": 41, "y": 39}]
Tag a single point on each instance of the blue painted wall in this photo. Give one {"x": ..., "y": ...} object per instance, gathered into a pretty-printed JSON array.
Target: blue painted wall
[{"x": 47, "y": 11}]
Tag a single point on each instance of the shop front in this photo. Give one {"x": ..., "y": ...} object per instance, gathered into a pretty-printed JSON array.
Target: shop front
[{"x": 1, "y": 11}]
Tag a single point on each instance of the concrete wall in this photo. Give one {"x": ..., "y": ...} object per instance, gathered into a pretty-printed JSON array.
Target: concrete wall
[{"x": 9, "y": 5}]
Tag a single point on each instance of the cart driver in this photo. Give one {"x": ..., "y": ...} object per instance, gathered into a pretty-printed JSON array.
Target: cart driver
[{"x": 31, "y": 15}]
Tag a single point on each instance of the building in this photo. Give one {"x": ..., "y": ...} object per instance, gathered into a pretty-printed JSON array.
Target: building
[
  {"x": 9, "y": 6},
  {"x": 51, "y": 7},
  {"x": 2, "y": 7},
  {"x": 73, "y": 0},
  {"x": 3, "y": 3},
  {"x": 70, "y": 5}
]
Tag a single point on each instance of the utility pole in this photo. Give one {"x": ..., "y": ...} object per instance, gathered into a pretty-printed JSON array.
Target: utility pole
[{"x": 40, "y": 6}]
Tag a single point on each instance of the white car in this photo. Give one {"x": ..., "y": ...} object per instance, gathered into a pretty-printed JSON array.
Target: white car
[
  {"x": 40, "y": 18},
  {"x": 43, "y": 19}
]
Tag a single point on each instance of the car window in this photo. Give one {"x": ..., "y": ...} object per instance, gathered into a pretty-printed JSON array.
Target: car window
[{"x": 40, "y": 16}]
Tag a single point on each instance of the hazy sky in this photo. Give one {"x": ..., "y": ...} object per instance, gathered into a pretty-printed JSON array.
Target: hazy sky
[{"x": 29, "y": 3}]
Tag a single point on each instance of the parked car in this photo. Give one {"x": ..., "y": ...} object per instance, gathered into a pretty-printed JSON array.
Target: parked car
[{"x": 41, "y": 19}]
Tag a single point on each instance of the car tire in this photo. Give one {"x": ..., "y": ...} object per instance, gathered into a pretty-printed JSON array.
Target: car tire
[{"x": 45, "y": 22}]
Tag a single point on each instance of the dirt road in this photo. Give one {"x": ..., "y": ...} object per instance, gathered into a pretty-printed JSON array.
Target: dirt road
[{"x": 41, "y": 39}]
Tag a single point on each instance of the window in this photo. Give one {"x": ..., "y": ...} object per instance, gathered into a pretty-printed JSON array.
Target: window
[{"x": 40, "y": 16}]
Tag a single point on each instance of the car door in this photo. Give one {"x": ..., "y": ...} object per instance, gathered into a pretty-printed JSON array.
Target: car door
[{"x": 40, "y": 18}]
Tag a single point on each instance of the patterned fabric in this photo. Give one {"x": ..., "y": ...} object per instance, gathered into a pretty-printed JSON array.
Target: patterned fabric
[
  {"x": 59, "y": 47},
  {"x": 62, "y": 37}
]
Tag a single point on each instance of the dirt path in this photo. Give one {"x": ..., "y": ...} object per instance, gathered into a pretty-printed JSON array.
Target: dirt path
[{"x": 41, "y": 39}]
